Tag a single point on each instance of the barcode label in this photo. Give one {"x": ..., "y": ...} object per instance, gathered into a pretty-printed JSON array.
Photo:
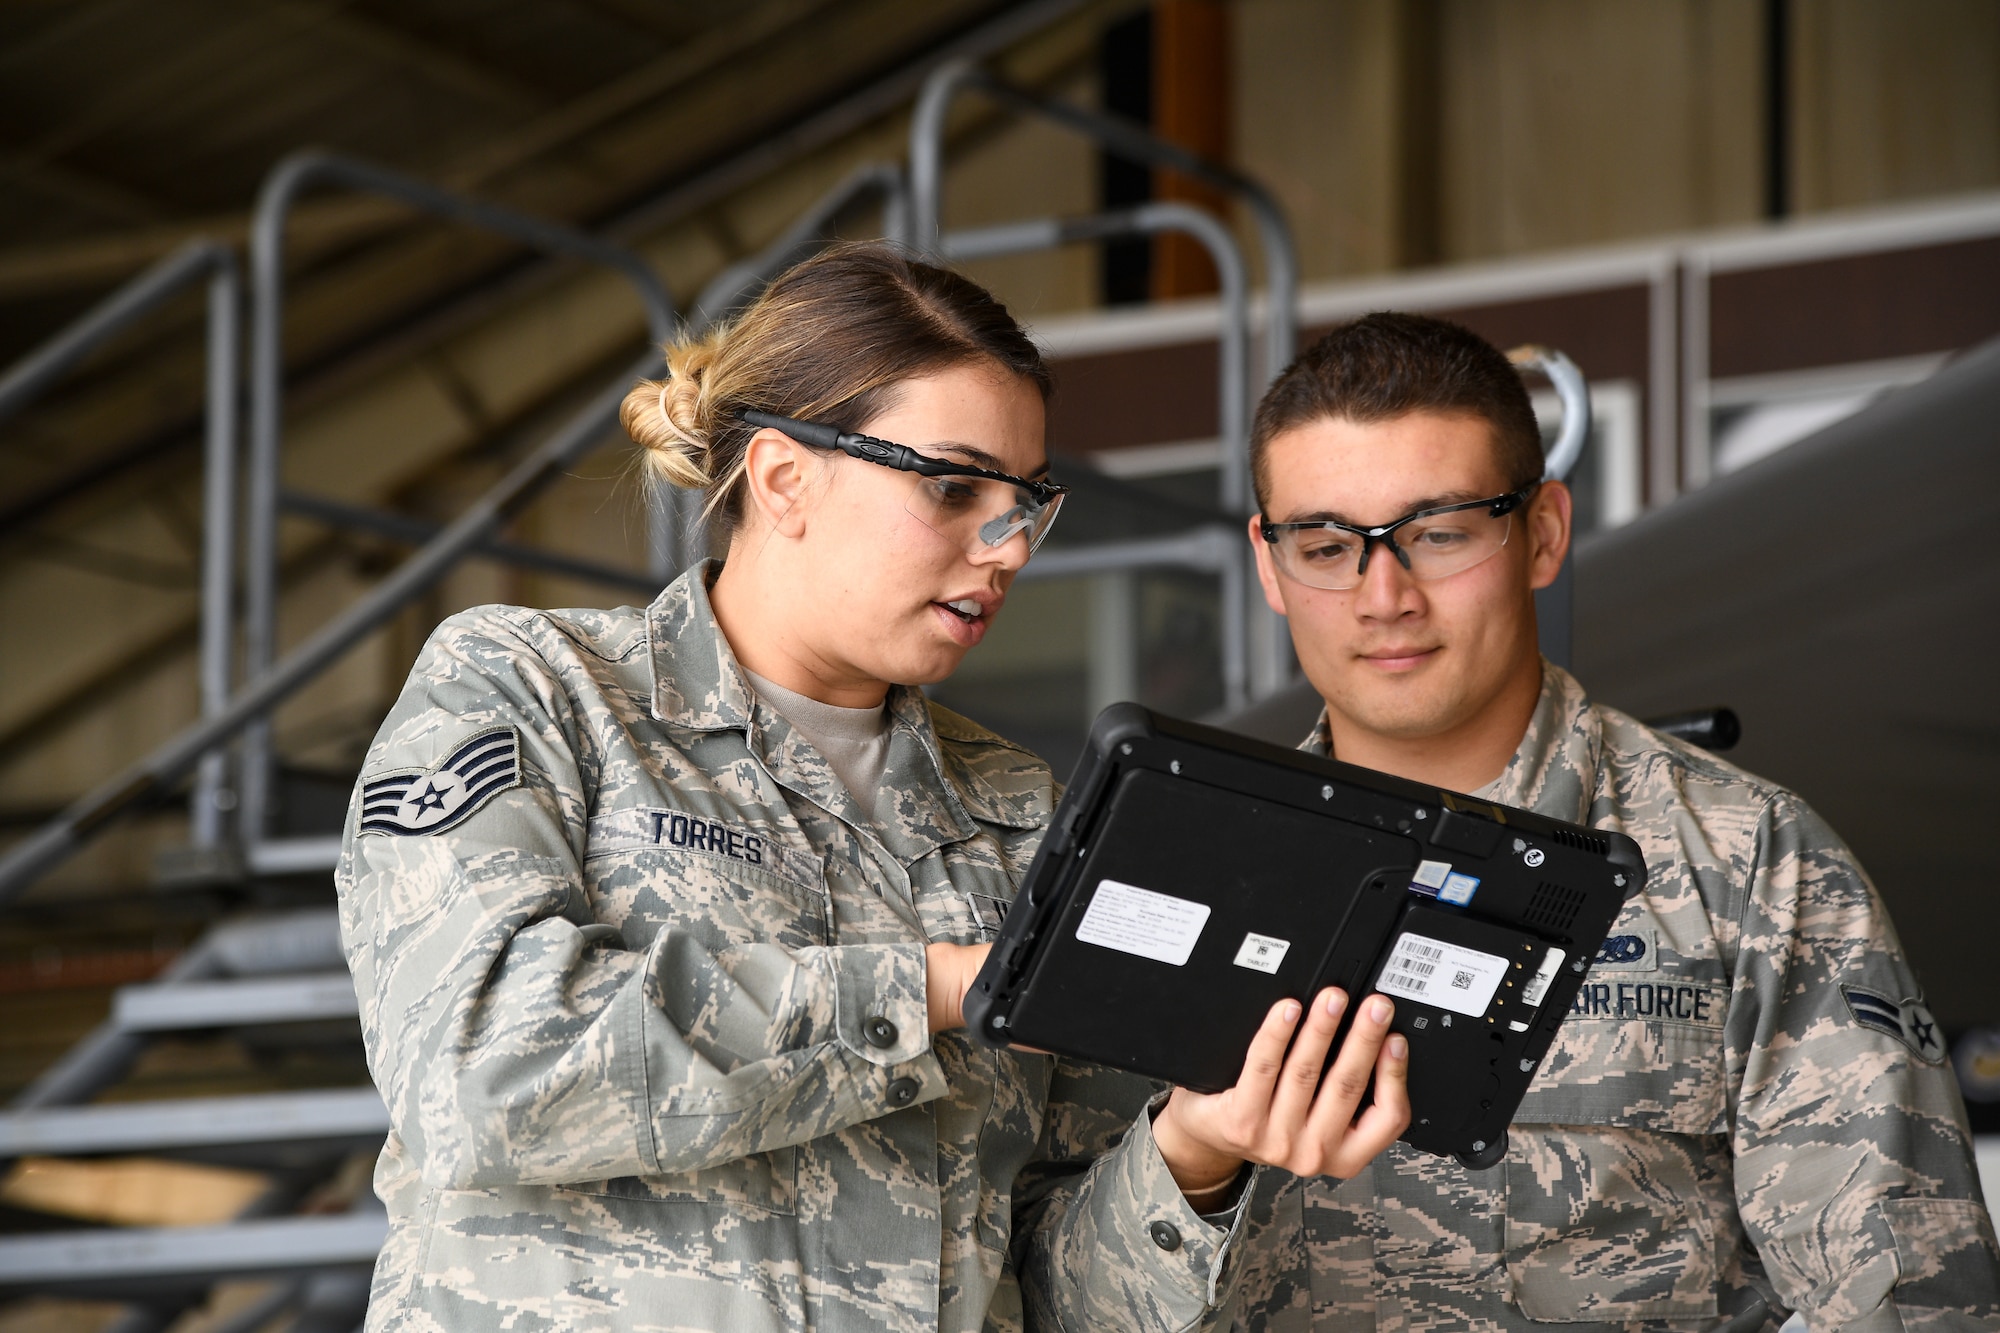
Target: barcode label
[{"x": 1446, "y": 975}]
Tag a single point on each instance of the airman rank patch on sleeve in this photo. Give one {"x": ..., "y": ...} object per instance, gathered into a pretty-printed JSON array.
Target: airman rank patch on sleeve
[
  {"x": 1908, "y": 1021},
  {"x": 446, "y": 794}
]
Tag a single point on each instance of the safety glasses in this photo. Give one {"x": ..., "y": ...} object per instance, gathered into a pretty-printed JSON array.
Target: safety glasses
[
  {"x": 1430, "y": 543},
  {"x": 973, "y": 507}
]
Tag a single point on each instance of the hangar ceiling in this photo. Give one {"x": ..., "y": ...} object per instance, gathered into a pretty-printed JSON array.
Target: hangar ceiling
[{"x": 134, "y": 124}]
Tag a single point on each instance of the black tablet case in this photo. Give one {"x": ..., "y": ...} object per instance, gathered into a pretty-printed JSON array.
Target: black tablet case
[{"x": 1192, "y": 877}]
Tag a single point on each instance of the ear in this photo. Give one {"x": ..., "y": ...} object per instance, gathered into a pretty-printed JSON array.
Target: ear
[
  {"x": 1267, "y": 573},
  {"x": 1547, "y": 520},
  {"x": 776, "y": 471}
]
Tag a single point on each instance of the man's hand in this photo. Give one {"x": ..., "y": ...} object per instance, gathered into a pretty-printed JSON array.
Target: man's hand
[
  {"x": 1280, "y": 1114},
  {"x": 950, "y": 969}
]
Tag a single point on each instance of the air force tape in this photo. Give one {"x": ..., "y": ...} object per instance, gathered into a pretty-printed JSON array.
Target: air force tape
[{"x": 445, "y": 795}]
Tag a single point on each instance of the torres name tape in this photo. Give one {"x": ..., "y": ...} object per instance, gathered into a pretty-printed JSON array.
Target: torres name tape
[{"x": 1139, "y": 921}]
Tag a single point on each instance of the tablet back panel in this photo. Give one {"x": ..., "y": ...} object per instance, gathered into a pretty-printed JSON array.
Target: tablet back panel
[
  {"x": 1191, "y": 878},
  {"x": 1237, "y": 870}
]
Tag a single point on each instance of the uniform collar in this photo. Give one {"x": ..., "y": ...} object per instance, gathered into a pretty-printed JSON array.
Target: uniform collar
[
  {"x": 698, "y": 685},
  {"x": 1554, "y": 769}
]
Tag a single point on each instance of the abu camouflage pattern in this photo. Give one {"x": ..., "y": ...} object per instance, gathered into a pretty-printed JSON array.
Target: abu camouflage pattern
[
  {"x": 1712, "y": 1125},
  {"x": 651, "y": 1022}
]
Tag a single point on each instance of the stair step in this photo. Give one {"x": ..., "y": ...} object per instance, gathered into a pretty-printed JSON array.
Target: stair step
[
  {"x": 264, "y": 1248},
  {"x": 197, "y": 1122},
  {"x": 240, "y": 1003}
]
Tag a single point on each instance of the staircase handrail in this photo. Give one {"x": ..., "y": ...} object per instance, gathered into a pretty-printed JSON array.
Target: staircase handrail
[
  {"x": 1233, "y": 395},
  {"x": 286, "y": 181},
  {"x": 32, "y": 376},
  {"x": 1127, "y": 139},
  {"x": 149, "y": 778}
]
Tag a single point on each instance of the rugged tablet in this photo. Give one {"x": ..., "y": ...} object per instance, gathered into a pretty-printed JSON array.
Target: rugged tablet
[{"x": 1191, "y": 878}]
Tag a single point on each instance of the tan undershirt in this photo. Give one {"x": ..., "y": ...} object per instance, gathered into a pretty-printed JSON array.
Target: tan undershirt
[{"x": 855, "y": 741}]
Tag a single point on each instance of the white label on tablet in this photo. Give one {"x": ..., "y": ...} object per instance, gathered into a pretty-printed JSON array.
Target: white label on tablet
[
  {"x": 1135, "y": 920},
  {"x": 1449, "y": 976},
  {"x": 1545, "y": 976},
  {"x": 1262, "y": 953}
]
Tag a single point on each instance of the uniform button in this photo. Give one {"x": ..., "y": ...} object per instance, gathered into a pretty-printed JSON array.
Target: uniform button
[
  {"x": 880, "y": 1032},
  {"x": 1165, "y": 1235},
  {"x": 903, "y": 1091}
]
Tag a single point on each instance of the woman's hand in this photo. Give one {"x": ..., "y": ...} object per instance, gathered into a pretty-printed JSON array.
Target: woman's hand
[
  {"x": 949, "y": 972},
  {"x": 1281, "y": 1114}
]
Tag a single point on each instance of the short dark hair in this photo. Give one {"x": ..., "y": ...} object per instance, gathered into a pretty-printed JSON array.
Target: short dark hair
[{"x": 1390, "y": 364}]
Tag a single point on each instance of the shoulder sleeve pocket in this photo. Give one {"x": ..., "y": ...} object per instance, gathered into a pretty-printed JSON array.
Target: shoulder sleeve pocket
[{"x": 1946, "y": 1257}]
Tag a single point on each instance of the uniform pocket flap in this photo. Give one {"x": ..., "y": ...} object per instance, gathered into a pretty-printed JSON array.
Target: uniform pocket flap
[
  {"x": 766, "y": 1182},
  {"x": 1946, "y": 1256},
  {"x": 1632, "y": 1073}
]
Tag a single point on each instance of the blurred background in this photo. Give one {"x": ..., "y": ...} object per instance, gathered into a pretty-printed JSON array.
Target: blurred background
[{"x": 240, "y": 388}]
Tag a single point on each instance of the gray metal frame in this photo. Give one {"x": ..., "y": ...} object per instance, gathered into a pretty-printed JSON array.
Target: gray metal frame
[
  {"x": 34, "y": 375},
  {"x": 728, "y": 290},
  {"x": 1126, "y": 138},
  {"x": 1200, "y": 548},
  {"x": 155, "y": 774},
  {"x": 1555, "y": 615},
  {"x": 281, "y": 189},
  {"x": 194, "y": 1122}
]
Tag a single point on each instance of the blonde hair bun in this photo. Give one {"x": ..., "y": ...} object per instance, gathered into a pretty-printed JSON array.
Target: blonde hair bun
[{"x": 671, "y": 418}]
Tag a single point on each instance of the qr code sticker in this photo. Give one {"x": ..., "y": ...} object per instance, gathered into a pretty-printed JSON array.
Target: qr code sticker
[{"x": 1462, "y": 981}]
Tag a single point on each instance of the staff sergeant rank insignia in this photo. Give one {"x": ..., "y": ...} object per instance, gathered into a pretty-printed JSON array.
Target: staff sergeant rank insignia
[{"x": 446, "y": 794}]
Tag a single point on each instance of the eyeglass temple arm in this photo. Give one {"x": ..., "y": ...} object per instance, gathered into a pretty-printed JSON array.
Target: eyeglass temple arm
[
  {"x": 815, "y": 433},
  {"x": 899, "y": 456},
  {"x": 822, "y": 436}
]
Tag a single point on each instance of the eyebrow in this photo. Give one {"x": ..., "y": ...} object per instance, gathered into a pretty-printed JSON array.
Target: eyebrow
[
  {"x": 980, "y": 458},
  {"x": 1427, "y": 502}
]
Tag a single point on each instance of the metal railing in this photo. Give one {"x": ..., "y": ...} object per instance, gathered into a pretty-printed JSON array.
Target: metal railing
[
  {"x": 281, "y": 189},
  {"x": 680, "y": 544},
  {"x": 197, "y": 261},
  {"x": 1126, "y": 139},
  {"x": 472, "y": 533},
  {"x": 728, "y": 290},
  {"x": 1266, "y": 654},
  {"x": 1210, "y": 549},
  {"x": 268, "y": 681}
]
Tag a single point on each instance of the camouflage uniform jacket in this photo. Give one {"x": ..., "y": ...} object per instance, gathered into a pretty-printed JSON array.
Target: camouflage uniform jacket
[
  {"x": 644, "y": 991},
  {"x": 1748, "y": 1100}
]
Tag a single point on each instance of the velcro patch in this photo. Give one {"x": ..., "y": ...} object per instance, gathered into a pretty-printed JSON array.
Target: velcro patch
[
  {"x": 750, "y": 845},
  {"x": 1687, "y": 1003},
  {"x": 1907, "y": 1020},
  {"x": 1629, "y": 950},
  {"x": 446, "y": 794}
]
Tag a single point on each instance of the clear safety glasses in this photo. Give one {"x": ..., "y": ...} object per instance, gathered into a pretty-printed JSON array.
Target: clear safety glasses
[
  {"x": 1430, "y": 544},
  {"x": 973, "y": 507}
]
